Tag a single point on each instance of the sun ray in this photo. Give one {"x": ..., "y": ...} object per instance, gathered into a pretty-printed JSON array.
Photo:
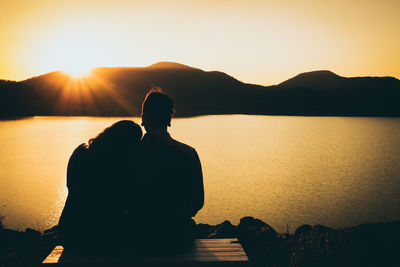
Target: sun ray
[{"x": 93, "y": 95}]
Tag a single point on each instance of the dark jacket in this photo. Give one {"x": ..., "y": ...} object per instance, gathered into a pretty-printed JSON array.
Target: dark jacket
[
  {"x": 96, "y": 209},
  {"x": 173, "y": 185}
]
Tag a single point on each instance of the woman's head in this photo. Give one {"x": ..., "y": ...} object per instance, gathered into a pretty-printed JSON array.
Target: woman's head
[{"x": 121, "y": 136}]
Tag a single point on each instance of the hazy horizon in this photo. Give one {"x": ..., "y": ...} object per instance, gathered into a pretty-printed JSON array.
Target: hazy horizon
[{"x": 87, "y": 73}]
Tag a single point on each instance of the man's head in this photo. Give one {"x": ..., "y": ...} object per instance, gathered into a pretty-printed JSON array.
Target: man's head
[{"x": 157, "y": 110}]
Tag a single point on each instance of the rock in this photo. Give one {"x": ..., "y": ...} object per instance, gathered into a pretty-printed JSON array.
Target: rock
[
  {"x": 30, "y": 246},
  {"x": 1, "y": 222},
  {"x": 256, "y": 227},
  {"x": 51, "y": 230},
  {"x": 32, "y": 232},
  {"x": 259, "y": 240},
  {"x": 304, "y": 230},
  {"x": 203, "y": 230},
  {"x": 321, "y": 229},
  {"x": 20, "y": 248},
  {"x": 222, "y": 230}
]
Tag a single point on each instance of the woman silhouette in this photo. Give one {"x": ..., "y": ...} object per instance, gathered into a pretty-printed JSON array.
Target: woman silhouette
[{"x": 100, "y": 179}]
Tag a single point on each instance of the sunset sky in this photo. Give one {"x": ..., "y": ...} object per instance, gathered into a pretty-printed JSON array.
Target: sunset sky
[{"x": 263, "y": 42}]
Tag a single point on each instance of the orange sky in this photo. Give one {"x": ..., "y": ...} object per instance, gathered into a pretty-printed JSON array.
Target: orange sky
[{"x": 263, "y": 42}]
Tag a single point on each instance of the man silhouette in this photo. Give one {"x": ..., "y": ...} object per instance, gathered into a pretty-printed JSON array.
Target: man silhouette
[{"x": 172, "y": 185}]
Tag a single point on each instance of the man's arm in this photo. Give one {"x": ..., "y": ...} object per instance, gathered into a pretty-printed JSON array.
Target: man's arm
[{"x": 196, "y": 185}]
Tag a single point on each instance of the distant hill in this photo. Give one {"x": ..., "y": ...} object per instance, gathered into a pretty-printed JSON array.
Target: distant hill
[
  {"x": 120, "y": 91},
  {"x": 322, "y": 79},
  {"x": 325, "y": 79},
  {"x": 169, "y": 65}
]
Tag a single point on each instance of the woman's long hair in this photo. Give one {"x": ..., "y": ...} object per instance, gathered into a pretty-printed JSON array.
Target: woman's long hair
[{"x": 122, "y": 136}]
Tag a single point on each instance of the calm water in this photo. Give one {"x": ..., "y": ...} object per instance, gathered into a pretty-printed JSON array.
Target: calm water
[{"x": 284, "y": 170}]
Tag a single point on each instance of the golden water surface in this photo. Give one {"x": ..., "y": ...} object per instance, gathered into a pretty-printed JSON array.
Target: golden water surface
[{"x": 284, "y": 170}]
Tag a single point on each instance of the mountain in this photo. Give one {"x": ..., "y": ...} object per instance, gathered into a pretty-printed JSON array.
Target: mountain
[
  {"x": 325, "y": 79},
  {"x": 169, "y": 65},
  {"x": 322, "y": 79},
  {"x": 326, "y": 93},
  {"x": 120, "y": 91}
]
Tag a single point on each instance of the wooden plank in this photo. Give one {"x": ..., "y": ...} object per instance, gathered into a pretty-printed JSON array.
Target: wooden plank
[
  {"x": 193, "y": 256},
  {"x": 219, "y": 258},
  {"x": 215, "y": 246},
  {"x": 216, "y": 251},
  {"x": 219, "y": 240},
  {"x": 211, "y": 247},
  {"x": 219, "y": 249},
  {"x": 59, "y": 249},
  {"x": 200, "y": 242},
  {"x": 239, "y": 261},
  {"x": 54, "y": 255},
  {"x": 211, "y": 254}
]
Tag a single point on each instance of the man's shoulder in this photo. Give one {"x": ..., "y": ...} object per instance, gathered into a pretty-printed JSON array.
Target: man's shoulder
[
  {"x": 153, "y": 143},
  {"x": 182, "y": 147}
]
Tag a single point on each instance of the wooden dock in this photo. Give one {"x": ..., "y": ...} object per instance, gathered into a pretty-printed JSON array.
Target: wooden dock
[{"x": 206, "y": 252}]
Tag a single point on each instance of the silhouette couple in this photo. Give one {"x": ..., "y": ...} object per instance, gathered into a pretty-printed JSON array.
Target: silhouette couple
[{"x": 125, "y": 191}]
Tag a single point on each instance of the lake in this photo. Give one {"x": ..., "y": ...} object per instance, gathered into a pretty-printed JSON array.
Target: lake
[{"x": 336, "y": 171}]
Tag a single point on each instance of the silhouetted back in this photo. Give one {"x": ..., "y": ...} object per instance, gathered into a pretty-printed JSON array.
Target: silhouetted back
[
  {"x": 172, "y": 179},
  {"x": 173, "y": 183},
  {"x": 100, "y": 180}
]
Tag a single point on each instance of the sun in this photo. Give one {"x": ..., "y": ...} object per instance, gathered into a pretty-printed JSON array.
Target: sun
[
  {"x": 77, "y": 62},
  {"x": 75, "y": 48},
  {"x": 78, "y": 72}
]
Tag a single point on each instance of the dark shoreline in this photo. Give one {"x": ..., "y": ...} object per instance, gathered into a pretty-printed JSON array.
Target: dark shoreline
[
  {"x": 372, "y": 244},
  {"x": 6, "y": 118},
  {"x": 197, "y": 92}
]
